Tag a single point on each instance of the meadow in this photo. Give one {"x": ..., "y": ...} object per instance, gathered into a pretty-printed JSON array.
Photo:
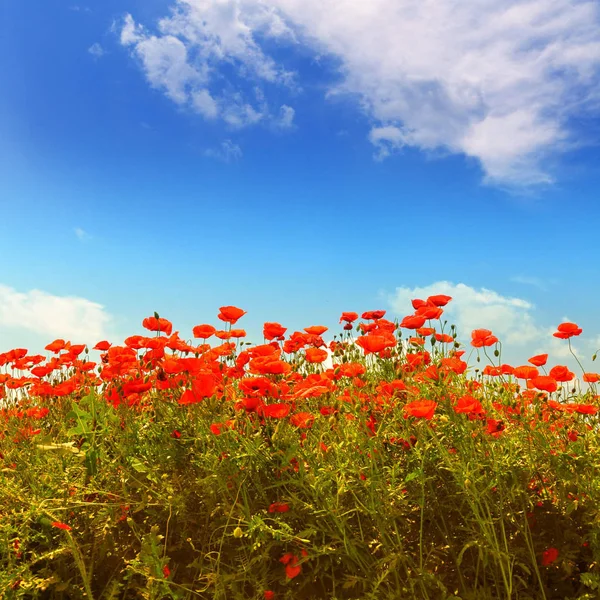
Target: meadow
[{"x": 377, "y": 466}]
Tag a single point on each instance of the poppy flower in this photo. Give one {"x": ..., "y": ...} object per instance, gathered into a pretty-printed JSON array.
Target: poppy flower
[
  {"x": 269, "y": 595},
  {"x": 230, "y": 314},
  {"x": 375, "y": 343},
  {"x": 567, "y": 330},
  {"x": 430, "y": 312},
  {"x": 544, "y": 383},
  {"x": 316, "y": 329},
  {"x": 561, "y": 373},
  {"x": 56, "y": 346},
  {"x": 276, "y": 411},
  {"x": 525, "y": 372},
  {"x": 273, "y": 330},
  {"x": 203, "y": 331},
  {"x": 444, "y": 338},
  {"x": 539, "y": 360},
  {"x": 103, "y": 346},
  {"x": 60, "y": 525},
  {"x": 291, "y": 568},
  {"x": 166, "y": 571},
  {"x": 482, "y": 337},
  {"x": 348, "y": 317},
  {"x": 413, "y": 322},
  {"x": 549, "y": 556},
  {"x": 279, "y": 507},
  {"x": 316, "y": 355},
  {"x": 587, "y": 377},
  {"x": 468, "y": 405},
  {"x": 423, "y": 409},
  {"x": 302, "y": 420},
  {"x": 158, "y": 324},
  {"x": 439, "y": 300},
  {"x": 373, "y": 315}
]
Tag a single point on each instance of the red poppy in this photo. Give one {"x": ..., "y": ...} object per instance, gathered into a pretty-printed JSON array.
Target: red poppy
[
  {"x": 279, "y": 507},
  {"x": 444, "y": 338},
  {"x": 103, "y": 346},
  {"x": 468, "y": 405},
  {"x": 158, "y": 324},
  {"x": 316, "y": 329},
  {"x": 276, "y": 411},
  {"x": 349, "y": 317},
  {"x": 373, "y": 315},
  {"x": 230, "y": 314},
  {"x": 302, "y": 420},
  {"x": 375, "y": 343},
  {"x": 561, "y": 373},
  {"x": 545, "y": 383},
  {"x": 269, "y": 595},
  {"x": 430, "y": 312},
  {"x": 539, "y": 360},
  {"x": 60, "y": 525},
  {"x": 549, "y": 556},
  {"x": 439, "y": 300},
  {"x": 203, "y": 331},
  {"x": 482, "y": 337},
  {"x": 567, "y": 330},
  {"x": 420, "y": 409},
  {"x": 413, "y": 322},
  {"x": 56, "y": 346},
  {"x": 582, "y": 409},
  {"x": 273, "y": 330},
  {"x": 525, "y": 372},
  {"x": 587, "y": 377},
  {"x": 166, "y": 571},
  {"x": 291, "y": 568},
  {"x": 316, "y": 355},
  {"x": 425, "y": 331}
]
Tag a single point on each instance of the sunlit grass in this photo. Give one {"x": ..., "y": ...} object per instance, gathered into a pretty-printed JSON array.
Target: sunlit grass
[{"x": 237, "y": 471}]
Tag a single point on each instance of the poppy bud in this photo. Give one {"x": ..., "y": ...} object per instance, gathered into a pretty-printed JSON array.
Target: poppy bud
[{"x": 237, "y": 532}]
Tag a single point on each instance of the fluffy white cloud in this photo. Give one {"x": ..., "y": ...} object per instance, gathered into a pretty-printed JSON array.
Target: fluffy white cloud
[
  {"x": 512, "y": 320},
  {"x": 198, "y": 37},
  {"x": 49, "y": 317},
  {"x": 495, "y": 81}
]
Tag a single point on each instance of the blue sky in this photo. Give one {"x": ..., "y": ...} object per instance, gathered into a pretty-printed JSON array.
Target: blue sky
[{"x": 298, "y": 160}]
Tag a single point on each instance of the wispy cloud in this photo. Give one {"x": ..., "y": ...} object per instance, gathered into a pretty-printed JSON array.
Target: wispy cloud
[
  {"x": 81, "y": 234},
  {"x": 226, "y": 152},
  {"x": 75, "y": 318},
  {"x": 96, "y": 50},
  {"x": 537, "y": 282},
  {"x": 183, "y": 59},
  {"x": 511, "y": 319},
  {"x": 499, "y": 82}
]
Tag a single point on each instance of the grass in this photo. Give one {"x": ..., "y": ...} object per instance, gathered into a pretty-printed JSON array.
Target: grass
[{"x": 236, "y": 471}]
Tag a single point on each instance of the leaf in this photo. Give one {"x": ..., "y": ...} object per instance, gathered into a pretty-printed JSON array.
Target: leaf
[
  {"x": 464, "y": 549},
  {"x": 413, "y": 475}
]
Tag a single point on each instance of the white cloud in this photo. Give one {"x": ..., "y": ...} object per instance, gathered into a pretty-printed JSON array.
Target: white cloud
[
  {"x": 204, "y": 104},
  {"x": 49, "y": 316},
  {"x": 197, "y": 38},
  {"x": 82, "y": 234},
  {"x": 285, "y": 120},
  {"x": 510, "y": 319},
  {"x": 495, "y": 81},
  {"x": 227, "y": 152},
  {"x": 533, "y": 281},
  {"x": 96, "y": 50}
]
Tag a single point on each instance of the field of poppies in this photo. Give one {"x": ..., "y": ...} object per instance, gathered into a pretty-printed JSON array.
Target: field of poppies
[{"x": 379, "y": 465}]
